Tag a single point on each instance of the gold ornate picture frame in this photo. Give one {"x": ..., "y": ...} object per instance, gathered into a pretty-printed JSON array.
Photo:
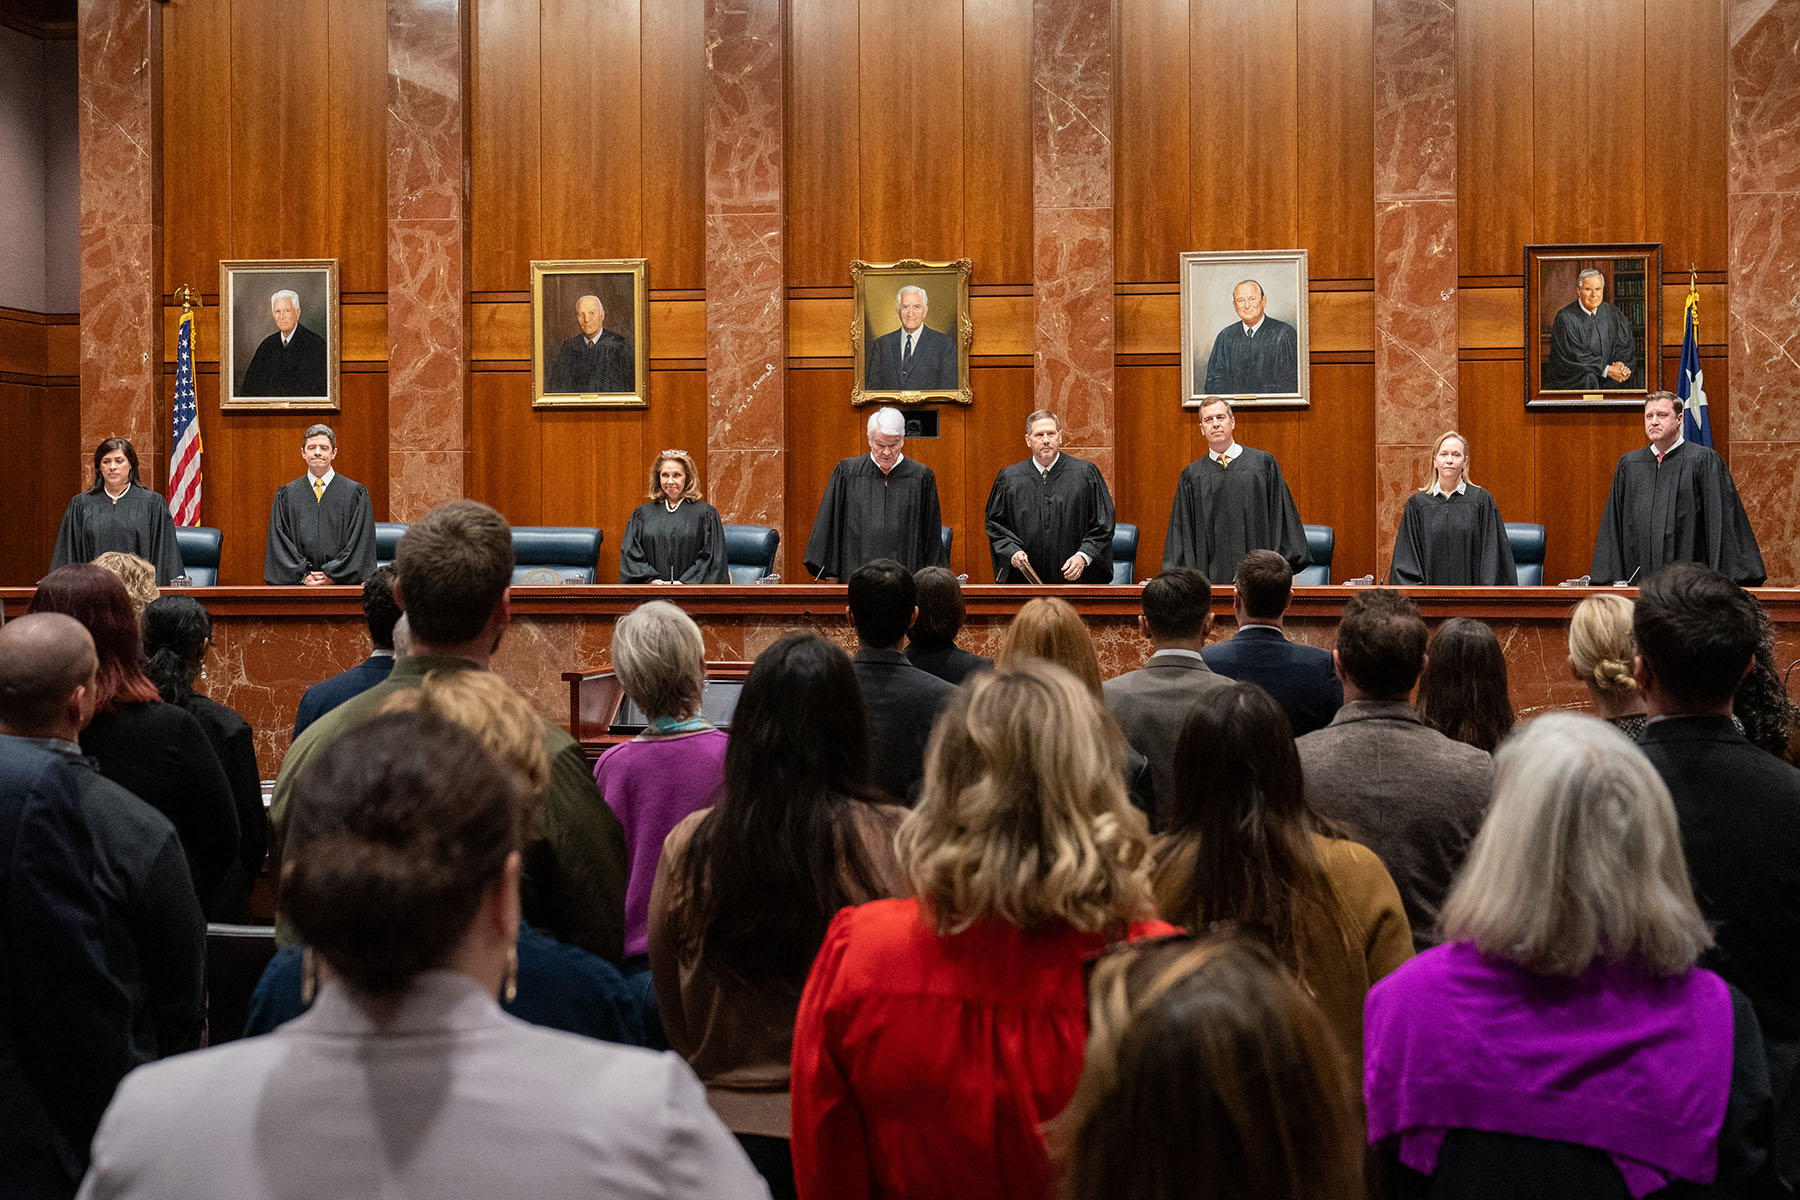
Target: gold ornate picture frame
[
  {"x": 263, "y": 366},
  {"x": 1218, "y": 358},
  {"x": 573, "y": 365},
  {"x": 1564, "y": 339},
  {"x": 935, "y": 367}
]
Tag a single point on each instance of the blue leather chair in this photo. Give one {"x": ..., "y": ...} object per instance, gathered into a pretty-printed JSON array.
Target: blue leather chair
[
  {"x": 1125, "y": 543},
  {"x": 200, "y": 547},
  {"x": 1527, "y": 542},
  {"x": 1321, "y": 540},
  {"x": 387, "y": 541},
  {"x": 946, "y": 535},
  {"x": 750, "y": 551},
  {"x": 551, "y": 555}
]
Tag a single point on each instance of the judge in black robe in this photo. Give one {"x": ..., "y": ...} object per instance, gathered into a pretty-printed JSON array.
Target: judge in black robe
[
  {"x": 295, "y": 367},
  {"x": 118, "y": 513},
  {"x": 1256, "y": 354},
  {"x": 1585, "y": 341},
  {"x": 877, "y": 505},
  {"x": 599, "y": 366},
  {"x": 1683, "y": 509},
  {"x": 1053, "y": 507},
  {"x": 1221, "y": 513},
  {"x": 680, "y": 544},
  {"x": 1453, "y": 538},
  {"x": 333, "y": 535}
]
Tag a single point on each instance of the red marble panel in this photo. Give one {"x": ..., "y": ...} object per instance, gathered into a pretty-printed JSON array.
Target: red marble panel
[
  {"x": 1072, "y": 117},
  {"x": 117, "y": 57},
  {"x": 1075, "y": 333},
  {"x": 121, "y": 347},
  {"x": 1768, "y": 479},
  {"x": 419, "y": 480},
  {"x": 262, "y": 667},
  {"x": 1415, "y": 320},
  {"x": 1396, "y": 478},
  {"x": 1763, "y": 104},
  {"x": 427, "y": 352},
  {"x": 744, "y": 66},
  {"x": 425, "y": 120},
  {"x": 1764, "y": 341},
  {"x": 746, "y": 331},
  {"x": 747, "y": 488},
  {"x": 1415, "y": 100}
]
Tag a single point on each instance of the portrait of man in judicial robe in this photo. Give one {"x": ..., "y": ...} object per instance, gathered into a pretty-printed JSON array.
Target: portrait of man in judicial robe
[
  {"x": 321, "y": 525},
  {"x": 1244, "y": 326},
  {"x": 1592, "y": 345},
  {"x": 278, "y": 334},
  {"x": 909, "y": 331},
  {"x": 1593, "y": 322},
  {"x": 588, "y": 333}
]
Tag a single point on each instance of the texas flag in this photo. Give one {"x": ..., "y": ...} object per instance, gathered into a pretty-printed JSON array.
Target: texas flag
[{"x": 1695, "y": 427}]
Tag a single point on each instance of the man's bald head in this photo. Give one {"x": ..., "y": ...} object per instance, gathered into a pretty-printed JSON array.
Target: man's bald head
[{"x": 44, "y": 657}]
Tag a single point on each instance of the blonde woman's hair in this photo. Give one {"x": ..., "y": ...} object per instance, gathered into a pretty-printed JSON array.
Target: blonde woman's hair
[
  {"x": 1579, "y": 859},
  {"x": 692, "y": 489},
  {"x": 1023, "y": 816},
  {"x": 1052, "y": 630},
  {"x": 1600, "y": 644},
  {"x": 1431, "y": 459},
  {"x": 660, "y": 659},
  {"x": 502, "y": 720},
  {"x": 138, "y": 576}
]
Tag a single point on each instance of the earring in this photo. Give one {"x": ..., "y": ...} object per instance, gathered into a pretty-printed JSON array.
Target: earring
[
  {"x": 309, "y": 976},
  {"x": 509, "y": 988}
]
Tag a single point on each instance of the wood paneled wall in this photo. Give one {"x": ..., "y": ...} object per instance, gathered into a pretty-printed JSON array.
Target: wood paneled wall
[{"x": 40, "y": 423}]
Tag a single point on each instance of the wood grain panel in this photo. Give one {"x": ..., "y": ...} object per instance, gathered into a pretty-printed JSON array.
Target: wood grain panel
[
  {"x": 1491, "y": 318},
  {"x": 504, "y": 173},
  {"x": 1155, "y": 438},
  {"x": 1336, "y": 131},
  {"x": 1340, "y": 322},
  {"x": 674, "y": 180},
  {"x": 594, "y": 466},
  {"x": 997, "y": 139},
  {"x": 1588, "y": 142},
  {"x": 822, "y": 115},
  {"x": 36, "y": 486},
  {"x": 1684, "y": 194},
  {"x": 356, "y": 213},
  {"x": 504, "y": 467},
  {"x": 196, "y": 142},
  {"x": 909, "y": 173},
  {"x": 821, "y": 429},
  {"x": 590, "y": 148},
  {"x": 501, "y": 332},
  {"x": 1151, "y": 140},
  {"x": 1330, "y": 469},
  {"x": 1242, "y": 97},
  {"x": 281, "y": 122},
  {"x": 24, "y": 345},
  {"x": 1493, "y": 136}
]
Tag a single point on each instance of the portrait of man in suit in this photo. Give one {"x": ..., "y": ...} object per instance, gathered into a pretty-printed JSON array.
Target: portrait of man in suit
[
  {"x": 909, "y": 331},
  {"x": 914, "y": 357}
]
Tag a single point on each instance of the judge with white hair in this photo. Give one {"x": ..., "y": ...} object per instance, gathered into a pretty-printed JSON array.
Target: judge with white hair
[
  {"x": 877, "y": 505},
  {"x": 290, "y": 361}
]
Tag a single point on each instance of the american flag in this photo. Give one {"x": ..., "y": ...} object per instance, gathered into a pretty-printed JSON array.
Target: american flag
[{"x": 184, "y": 475}]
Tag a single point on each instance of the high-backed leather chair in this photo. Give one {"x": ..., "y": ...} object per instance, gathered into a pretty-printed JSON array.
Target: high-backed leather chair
[
  {"x": 387, "y": 541},
  {"x": 1321, "y": 540},
  {"x": 551, "y": 555},
  {"x": 1125, "y": 544},
  {"x": 750, "y": 551},
  {"x": 946, "y": 535},
  {"x": 200, "y": 547},
  {"x": 235, "y": 958},
  {"x": 1527, "y": 542}
]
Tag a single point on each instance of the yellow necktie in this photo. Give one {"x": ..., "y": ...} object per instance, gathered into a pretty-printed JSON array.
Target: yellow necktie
[{"x": 318, "y": 490}]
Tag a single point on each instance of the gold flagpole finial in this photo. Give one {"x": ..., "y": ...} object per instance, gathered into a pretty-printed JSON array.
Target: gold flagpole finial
[{"x": 187, "y": 297}]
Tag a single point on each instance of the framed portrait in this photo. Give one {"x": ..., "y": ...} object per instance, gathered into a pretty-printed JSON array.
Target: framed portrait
[
  {"x": 1593, "y": 325},
  {"x": 910, "y": 332},
  {"x": 1244, "y": 327},
  {"x": 278, "y": 334},
  {"x": 590, "y": 343}
]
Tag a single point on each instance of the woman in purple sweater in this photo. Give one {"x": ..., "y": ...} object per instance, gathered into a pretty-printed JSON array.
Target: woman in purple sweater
[{"x": 673, "y": 767}]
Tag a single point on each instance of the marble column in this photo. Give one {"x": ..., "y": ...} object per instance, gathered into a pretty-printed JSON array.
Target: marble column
[
  {"x": 427, "y": 256},
  {"x": 119, "y": 59},
  {"x": 746, "y": 267},
  {"x": 1763, "y": 208},
  {"x": 1072, "y": 221},
  {"x": 1415, "y": 247}
]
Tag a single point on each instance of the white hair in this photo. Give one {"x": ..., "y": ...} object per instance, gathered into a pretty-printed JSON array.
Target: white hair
[
  {"x": 900, "y": 296},
  {"x": 594, "y": 298},
  {"x": 888, "y": 421},
  {"x": 290, "y": 293},
  {"x": 1586, "y": 273}
]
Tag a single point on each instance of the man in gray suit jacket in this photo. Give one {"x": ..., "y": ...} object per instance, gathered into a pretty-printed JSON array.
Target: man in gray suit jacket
[
  {"x": 1301, "y": 678},
  {"x": 902, "y": 701},
  {"x": 1152, "y": 704},
  {"x": 1407, "y": 792}
]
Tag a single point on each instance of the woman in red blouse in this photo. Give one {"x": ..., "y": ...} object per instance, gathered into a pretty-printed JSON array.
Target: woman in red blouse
[{"x": 937, "y": 1034}]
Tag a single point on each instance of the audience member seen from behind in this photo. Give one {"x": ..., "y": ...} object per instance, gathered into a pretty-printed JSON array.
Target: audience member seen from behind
[
  {"x": 1462, "y": 690},
  {"x": 138, "y": 576},
  {"x": 931, "y": 642},
  {"x": 1301, "y": 678},
  {"x": 745, "y": 889},
  {"x": 938, "y": 1033},
  {"x": 902, "y": 701},
  {"x": 1051, "y": 629},
  {"x": 1563, "y": 1043},
  {"x": 1600, "y": 656},
  {"x": 1209, "y": 1072},
  {"x": 381, "y": 613},
  {"x": 402, "y": 875},
  {"x": 669, "y": 770},
  {"x": 177, "y": 635},
  {"x": 152, "y": 749},
  {"x": 560, "y": 987},
  {"x": 1762, "y": 705},
  {"x": 1242, "y": 846}
]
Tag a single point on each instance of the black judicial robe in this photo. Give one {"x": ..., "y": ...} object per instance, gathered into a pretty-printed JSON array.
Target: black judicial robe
[
  {"x": 606, "y": 366},
  {"x": 1221, "y": 514},
  {"x": 1685, "y": 509},
  {"x": 1582, "y": 347},
  {"x": 1453, "y": 540},
  {"x": 686, "y": 545},
  {"x": 138, "y": 524},
  {"x": 1242, "y": 365},
  {"x": 296, "y": 369},
  {"x": 1050, "y": 515},
  {"x": 865, "y": 515},
  {"x": 334, "y": 534}
]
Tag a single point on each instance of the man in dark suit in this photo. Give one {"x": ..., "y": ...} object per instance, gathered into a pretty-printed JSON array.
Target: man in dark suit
[
  {"x": 1402, "y": 789},
  {"x": 902, "y": 701},
  {"x": 290, "y": 361},
  {"x": 382, "y": 614},
  {"x": 1152, "y": 703},
  {"x": 594, "y": 361},
  {"x": 914, "y": 357},
  {"x": 1300, "y": 678},
  {"x": 1738, "y": 806}
]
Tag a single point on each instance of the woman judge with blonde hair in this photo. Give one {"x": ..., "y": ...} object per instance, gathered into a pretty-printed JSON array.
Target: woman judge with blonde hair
[
  {"x": 1450, "y": 530},
  {"x": 674, "y": 536},
  {"x": 936, "y": 1034}
]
